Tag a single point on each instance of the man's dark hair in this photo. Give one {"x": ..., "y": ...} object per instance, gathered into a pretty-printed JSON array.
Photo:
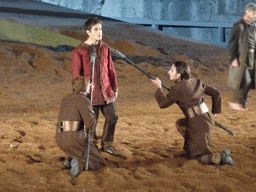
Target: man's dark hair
[
  {"x": 182, "y": 68},
  {"x": 251, "y": 7},
  {"x": 79, "y": 84},
  {"x": 90, "y": 22}
]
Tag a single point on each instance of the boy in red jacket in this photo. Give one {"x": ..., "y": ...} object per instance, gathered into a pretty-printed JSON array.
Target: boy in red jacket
[{"x": 105, "y": 83}]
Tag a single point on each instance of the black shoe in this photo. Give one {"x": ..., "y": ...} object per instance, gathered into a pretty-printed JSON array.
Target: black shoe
[
  {"x": 226, "y": 157},
  {"x": 67, "y": 163},
  {"x": 75, "y": 168},
  {"x": 244, "y": 105},
  {"x": 111, "y": 150}
]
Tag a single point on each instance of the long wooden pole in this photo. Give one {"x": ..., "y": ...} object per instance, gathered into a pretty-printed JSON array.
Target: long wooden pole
[{"x": 93, "y": 57}]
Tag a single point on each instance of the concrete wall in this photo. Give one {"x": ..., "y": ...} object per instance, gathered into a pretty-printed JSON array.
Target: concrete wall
[
  {"x": 172, "y": 10},
  {"x": 89, "y": 6}
]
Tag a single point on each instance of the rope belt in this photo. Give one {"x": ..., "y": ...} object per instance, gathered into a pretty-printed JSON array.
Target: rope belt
[
  {"x": 197, "y": 110},
  {"x": 69, "y": 126}
]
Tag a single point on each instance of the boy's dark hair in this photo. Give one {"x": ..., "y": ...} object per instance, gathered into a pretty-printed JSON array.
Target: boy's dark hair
[
  {"x": 182, "y": 68},
  {"x": 79, "y": 84},
  {"x": 90, "y": 22}
]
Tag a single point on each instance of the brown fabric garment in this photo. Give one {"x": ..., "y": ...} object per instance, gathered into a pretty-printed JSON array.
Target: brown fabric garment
[
  {"x": 77, "y": 107},
  {"x": 73, "y": 143},
  {"x": 186, "y": 94}
]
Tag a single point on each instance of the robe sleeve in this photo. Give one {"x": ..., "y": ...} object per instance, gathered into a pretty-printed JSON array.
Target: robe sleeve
[
  {"x": 165, "y": 101},
  {"x": 216, "y": 98},
  {"x": 87, "y": 114},
  {"x": 112, "y": 73},
  {"x": 233, "y": 42}
]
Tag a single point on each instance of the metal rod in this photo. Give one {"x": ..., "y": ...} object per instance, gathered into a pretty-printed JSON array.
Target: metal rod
[
  {"x": 88, "y": 132},
  {"x": 224, "y": 128}
]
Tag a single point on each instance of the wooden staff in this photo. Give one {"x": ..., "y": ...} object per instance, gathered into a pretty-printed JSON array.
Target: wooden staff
[{"x": 93, "y": 57}]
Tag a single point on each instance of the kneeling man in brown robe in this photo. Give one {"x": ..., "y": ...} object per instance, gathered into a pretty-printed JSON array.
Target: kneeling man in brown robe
[
  {"x": 75, "y": 116},
  {"x": 189, "y": 95}
]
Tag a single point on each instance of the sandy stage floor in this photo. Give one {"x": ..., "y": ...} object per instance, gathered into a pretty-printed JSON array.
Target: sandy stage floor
[{"x": 34, "y": 80}]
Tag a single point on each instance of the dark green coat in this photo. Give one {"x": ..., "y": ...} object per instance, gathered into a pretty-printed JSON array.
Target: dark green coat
[{"x": 238, "y": 48}]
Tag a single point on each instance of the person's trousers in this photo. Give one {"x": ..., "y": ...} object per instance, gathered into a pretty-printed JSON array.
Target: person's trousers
[
  {"x": 111, "y": 117},
  {"x": 241, "y": 95}
]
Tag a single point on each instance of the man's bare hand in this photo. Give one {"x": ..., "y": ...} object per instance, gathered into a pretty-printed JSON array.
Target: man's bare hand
[
  {"x": 90, "y": 86},
  {"x": 116, "y": 94},
  {"x": 157, "y": 82},
  {"x": 235, "y": 63}
]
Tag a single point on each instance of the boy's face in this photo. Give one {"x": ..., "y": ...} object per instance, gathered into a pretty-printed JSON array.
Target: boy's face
[
  {"x": 96, "y": 32},
  {"x": 174, "y": 76}
]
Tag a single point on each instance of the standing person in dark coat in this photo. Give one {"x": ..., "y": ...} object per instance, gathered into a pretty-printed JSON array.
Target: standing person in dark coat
[
  {"x": 189, "y": 95},
  {"x": 242, "y": 52},
  {"x": 105, "y": 90},
  {"x": 75, "y": 115}
]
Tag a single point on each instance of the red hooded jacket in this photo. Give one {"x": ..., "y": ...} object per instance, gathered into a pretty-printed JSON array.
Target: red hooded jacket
[{"x": 105, "y": 82}]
